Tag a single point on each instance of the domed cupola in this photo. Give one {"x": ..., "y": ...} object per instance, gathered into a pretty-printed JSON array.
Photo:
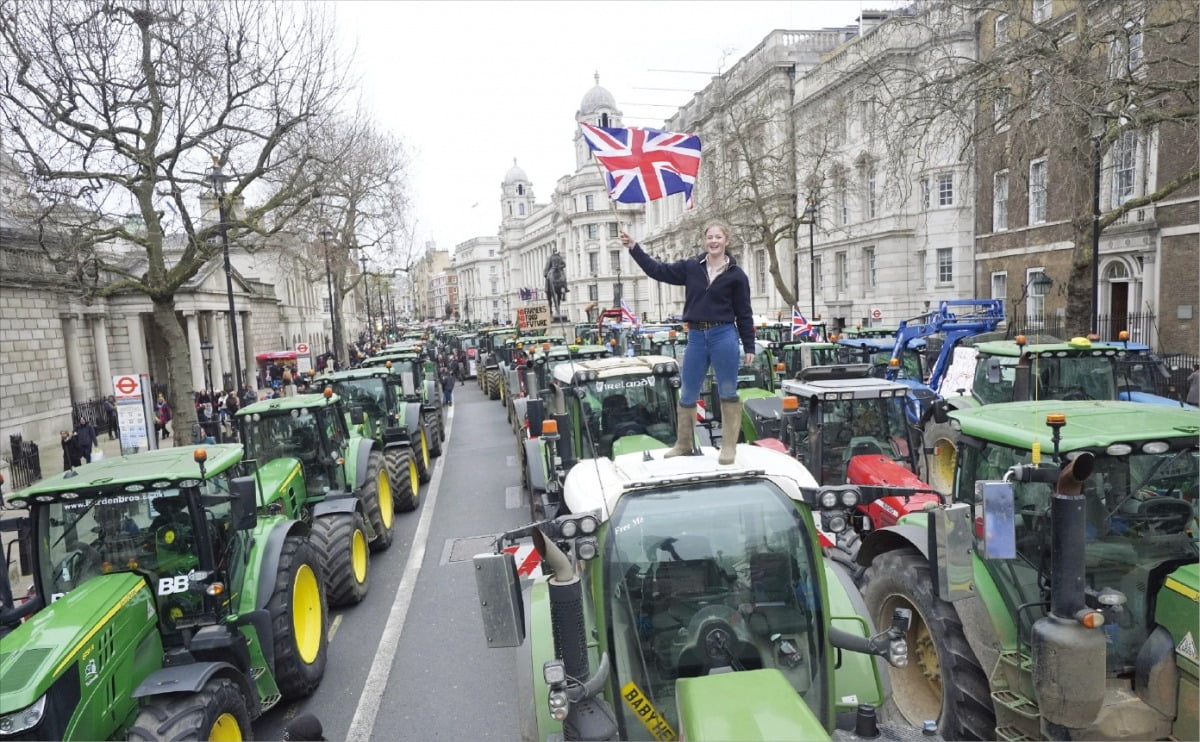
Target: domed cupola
[
  {"x": 597, "y": 100},
  {"x": 515, "y": 175},
  {"x": 517, "y": 199},
  {"x": 597, "y": 108}
]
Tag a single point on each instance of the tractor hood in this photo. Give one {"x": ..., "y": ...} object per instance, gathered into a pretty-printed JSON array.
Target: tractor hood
[
  {"x": 79, "y": 626},
  {"x": 1175, "y": 611},
  {"x": 750, "y": 705}
]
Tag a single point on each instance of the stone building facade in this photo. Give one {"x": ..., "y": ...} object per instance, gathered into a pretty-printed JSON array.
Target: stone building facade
[{"x": 478, "y": 266}]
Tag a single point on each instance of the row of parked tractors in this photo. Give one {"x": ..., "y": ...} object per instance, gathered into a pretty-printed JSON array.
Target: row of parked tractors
[
  {"x": 181, "y": 593},
  {"x": 1019, "y": 540}
]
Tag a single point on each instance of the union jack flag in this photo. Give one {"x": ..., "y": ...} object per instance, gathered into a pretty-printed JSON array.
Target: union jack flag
[
  {"x": 627, "y": 314},
  {"x": 802, "y": 327},
  {"x": 645, "y": 164}
]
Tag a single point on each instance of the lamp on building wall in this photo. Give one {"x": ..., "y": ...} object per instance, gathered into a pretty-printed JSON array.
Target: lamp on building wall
[
  {"x": 809, "y": 217},
  {"x": 206, "y": 349},
  {"x": 217, "y": 178}
]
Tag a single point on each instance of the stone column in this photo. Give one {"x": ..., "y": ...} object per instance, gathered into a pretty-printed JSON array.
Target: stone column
[
  {"x": 71, "y": 348},
  {"x": 137, "y": 345},
  {"x": 216, "y": 337},
  {"x": 248, "y": 348},
  {"x": 103, "y": 365},
  {"x": 197, "y": 356}
]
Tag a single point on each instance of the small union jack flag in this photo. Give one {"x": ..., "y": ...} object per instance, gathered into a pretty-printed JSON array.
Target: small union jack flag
[
  {"x": 627, "y": 314},
  {"x": 801, "y": 327},
  {"x": 645, "y": 164}
]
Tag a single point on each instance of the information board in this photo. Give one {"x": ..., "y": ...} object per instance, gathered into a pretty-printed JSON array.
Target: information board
[
  {"x": 131, "y": 394},
  {"x": 534, "y": 318}
]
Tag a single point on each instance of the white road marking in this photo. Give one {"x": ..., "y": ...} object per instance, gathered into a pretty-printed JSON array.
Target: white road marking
[
  {"x": 333, "y": 626},
  {"x": 363, "y": 723},
  {"x": 513, "y": 498}
]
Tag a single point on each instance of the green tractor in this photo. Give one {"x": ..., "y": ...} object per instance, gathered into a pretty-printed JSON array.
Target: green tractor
[
  {"x": 491, "y": 348},
  {"x": 1056, "y": 596},
  {"x": 420, "y": 384},
  {"x": 602, "y": 407},
  {"x": 397, "y": 425},
  {"x": 535, "y": 379},
  {"x": 686, "y": 600},
  {"x": 170, "y": 603},
  {"x": 309, "y": 461},
  {"x": 518, "y": 354}
]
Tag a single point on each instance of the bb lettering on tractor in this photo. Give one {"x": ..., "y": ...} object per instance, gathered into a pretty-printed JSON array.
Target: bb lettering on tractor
[
  {"x": 654, "y": 722},
  {"x": 172, "y": 585}
]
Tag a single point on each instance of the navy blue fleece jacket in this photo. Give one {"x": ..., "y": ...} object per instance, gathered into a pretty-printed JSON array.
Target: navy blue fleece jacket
[{"x": 726, "y": 300}]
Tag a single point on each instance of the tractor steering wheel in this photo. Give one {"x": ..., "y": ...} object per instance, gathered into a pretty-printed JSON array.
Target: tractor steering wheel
[{"x": 628, "y": 427}]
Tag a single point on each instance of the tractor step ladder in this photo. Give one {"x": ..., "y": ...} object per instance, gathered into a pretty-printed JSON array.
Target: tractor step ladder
[
  {"x": 1011, "y": 734},
  {"x": 1018, "y": 716}
]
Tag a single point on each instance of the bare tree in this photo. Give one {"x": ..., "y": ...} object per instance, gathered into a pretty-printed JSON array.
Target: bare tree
[
  {"x": 118, "y": 108},
  {"x": 1085, "y": 84}
]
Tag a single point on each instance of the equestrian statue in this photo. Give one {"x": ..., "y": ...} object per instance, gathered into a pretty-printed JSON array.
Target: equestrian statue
[{"x": 555, "y": 274}]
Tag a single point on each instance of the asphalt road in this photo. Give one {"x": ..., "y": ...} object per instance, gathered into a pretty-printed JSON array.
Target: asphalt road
[{"x": 410, "y": 661}]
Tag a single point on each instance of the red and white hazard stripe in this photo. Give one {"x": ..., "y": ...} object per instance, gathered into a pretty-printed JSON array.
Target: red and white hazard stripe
[{"x": 529, "y": 564}]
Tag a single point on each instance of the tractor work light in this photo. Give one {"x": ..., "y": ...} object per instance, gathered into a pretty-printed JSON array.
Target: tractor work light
[
  {"x": 588, "y": 525},
  {"x": 70, "y": 495},
  {"x": 568, "y": 529},
  {"x": 586, "y": 549},
  {"x": 1155, "y": 447},
  {"x": 1119, "y": 449},
  {"x": 829, "y": 499},
  {"x": 849, "y": 498},
  {"x": 19, "y": 503},
  {"x": 835, "y": 522},
  {"x": 554, "y": 672},
  {"x": 898, "y": 653}
]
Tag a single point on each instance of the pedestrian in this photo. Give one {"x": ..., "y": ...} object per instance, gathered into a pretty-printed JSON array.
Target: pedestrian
[
  {"x": 1193, "y": 382},
  {"x": 85, "y": 438},
  {"x": 162, "y": 412},
  {"x": 110, "y": 418},
  {"x": 716, "y": 306},
  {"x": 289, "y": 385},
  {"x": 448, "y": 382},
  {"x": 70, "y": 450}
]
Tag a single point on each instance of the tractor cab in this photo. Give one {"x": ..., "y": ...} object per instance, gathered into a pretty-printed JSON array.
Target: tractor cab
[
  {"x": 797, "y": 355},
  {"x": 620, "y": 404},
  {"x": 310, "y": 428}
]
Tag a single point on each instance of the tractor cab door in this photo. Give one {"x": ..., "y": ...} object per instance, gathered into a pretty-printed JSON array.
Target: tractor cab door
[{"x": 335, "y": 437}]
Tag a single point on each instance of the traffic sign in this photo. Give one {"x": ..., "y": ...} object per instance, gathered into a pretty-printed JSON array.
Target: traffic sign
[
  {"x": 876, "y": 314},
  {"x": 127, "y": 386},
  {"x": 302, "y": 348}
]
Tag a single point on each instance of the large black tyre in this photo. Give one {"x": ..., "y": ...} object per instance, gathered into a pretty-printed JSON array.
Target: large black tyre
[
  {"x": 299, "y": 619},
  {"x": 941, "y": 441},
  {"x": 492, "y": 384},
  {"x": 433, "y": 425},
  {"x": 375, "y": 491},
  {"x": 421, "y": 454},
  {"x": 217, "y": 711},
  {"x": 403, "y": 468},
  {"x": 341, "y": 540},
  {"x": 943, "y": 679}
]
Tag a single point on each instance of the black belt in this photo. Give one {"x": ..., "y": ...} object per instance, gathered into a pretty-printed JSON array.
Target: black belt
[{"x": 706, "y": 325}]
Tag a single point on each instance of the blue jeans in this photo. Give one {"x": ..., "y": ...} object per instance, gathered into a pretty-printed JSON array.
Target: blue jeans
[{"x": 722, "y": 348}]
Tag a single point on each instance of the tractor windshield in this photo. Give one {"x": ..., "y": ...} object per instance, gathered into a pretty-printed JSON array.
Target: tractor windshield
[
  {"x": 366, "y": 393},
  {"x": 301, "y": 434},
  {"x": 1141, "y": 517},
  {"x": 148, "y": 529},
  {"x": 854, "y": 427},
  {"x": 629, "y": 405},
  {"x": 705, "y": 580},
  {"x": 1064, "y": 377}
]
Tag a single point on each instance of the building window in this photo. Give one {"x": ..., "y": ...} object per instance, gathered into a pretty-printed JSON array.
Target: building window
[
  {"x": 614, "y": 260},
  {"x": 325, "y": 304},
  {"x": 491, "y": 253},
  {"x": 871, "y": 194},
  {"x": 843, "y": 198},
  {"x": 1001, "y": 28},
  {"x": 1124, "y": 155},
  {"x": 1000, "y": 201},
  {"x": 1000, "y": 287},
  {"x": 1037, "y": 191},
  {"x": 1000, "y": 109},
  {"x": 1039, "y": 97},
  {"x": 1035, "y": 301},
  {"x": 593, "y": 292},
  {"x": 921, "y": 268},
  {"x": 945, "y": 185},
  {"x": 520, "y": 209},
  {"x": 868, "y": 259},
  {"x": 613, "y": 230},
  {"x": 495, "y": 287},
  {"x": 589, "y": 203},
  {"x": 924, "y": 191},
  {"x": 760, "y": 270},
  {"x": 593, "y": 263},
  {"x": 592, "y": 231},
  {"x": 843, "y": 271},
  {"x": 492, "y": 269},
  {"x": 945, "y": 265},
  {"x": 816, "y": 269},
  {"x": 1041, "y": 11}
]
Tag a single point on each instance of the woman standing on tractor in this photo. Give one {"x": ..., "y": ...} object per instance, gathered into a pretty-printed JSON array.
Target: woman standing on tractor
[{"x": 716, "y": 307}]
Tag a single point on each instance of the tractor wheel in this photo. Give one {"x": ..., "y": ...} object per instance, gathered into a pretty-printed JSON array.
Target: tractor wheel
[
  {"x": 299, "y": 619},
  {"x": 217, "y": 711},
  {"x": 943, "y": 679},
  {"x": 421, "y": 455},
  {"x": 376, "y": 495},
  {"x": 493, "y": 384},
  {"x": 941, "y": 441},
  {"x": 435, "y": 434},
  {"x": 403, "y": 467},
  {"x": 341, "y": 539}
]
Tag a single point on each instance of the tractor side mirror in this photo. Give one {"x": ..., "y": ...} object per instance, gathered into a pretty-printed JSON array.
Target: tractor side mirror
[
  {"x": 499, "y": 590},
  {"x": 993, "y": 370},
  {"x": 356, "y": 415},
  {"x": 244, "y": 506}
]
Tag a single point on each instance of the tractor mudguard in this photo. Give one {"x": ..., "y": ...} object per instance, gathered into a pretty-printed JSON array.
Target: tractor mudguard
[
  {"x": 519, "y": 406},
  {"x": 429, "y": 393},
  {"x": 856, "y": 676},
  {"x": 269, "y": 567},
  {"x": 190, "y": 678},
  {"x": 891, "y": 538},
  {"x": 412, "y": 420},
  {"x": 260, "y": 621},
  {"x": 361, "y": 462},
  {"x": 535, "y": 462},
  {"x": 340, "y": 502}
]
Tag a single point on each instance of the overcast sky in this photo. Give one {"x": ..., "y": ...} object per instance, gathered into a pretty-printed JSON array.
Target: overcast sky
[{"x": 468, "y": 86}]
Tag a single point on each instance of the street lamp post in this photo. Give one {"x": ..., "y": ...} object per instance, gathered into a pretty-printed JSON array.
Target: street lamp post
[
  {"x": 333, "y": 330},
  {"x": 809, "y": 217},
  {"x": 206, "y": 348},
  {"x": 362, "y": 258},
  {"x": 218, "y": 178},
  {"x": 1096, "y": 234}
]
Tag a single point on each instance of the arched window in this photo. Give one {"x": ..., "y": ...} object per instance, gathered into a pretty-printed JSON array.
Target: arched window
[
  {"x": 1116, "y": 271},
  {"x": 521, "y": 209},
  {"x": 520, "y": 190},
  {"x": 604, "y": 120}
]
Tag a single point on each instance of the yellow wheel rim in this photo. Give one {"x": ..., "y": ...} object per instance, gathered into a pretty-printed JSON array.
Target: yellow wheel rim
[
  {"x": 414, "y": 478},
  {"x": 225, "y": 729},
  {"x": 358, "y": 555},
  {"x": 384, "y": 487},
  {"x": 424, "y": 449},
  {"x": 308, "y": 624}
]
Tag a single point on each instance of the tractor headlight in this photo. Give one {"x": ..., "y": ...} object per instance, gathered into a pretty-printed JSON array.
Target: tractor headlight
[
  {"x": 24, "y": 719},
  {"x": 569, "y": 529},
  {"x": 588, "y": 525},
  {"x": 586, "y": 548},
  {"x": 829, "y": 499},
  {"x": 835, "y": 523},
  {"x": 898, "y": 652},
  {"x": 849, "y": 498}
]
